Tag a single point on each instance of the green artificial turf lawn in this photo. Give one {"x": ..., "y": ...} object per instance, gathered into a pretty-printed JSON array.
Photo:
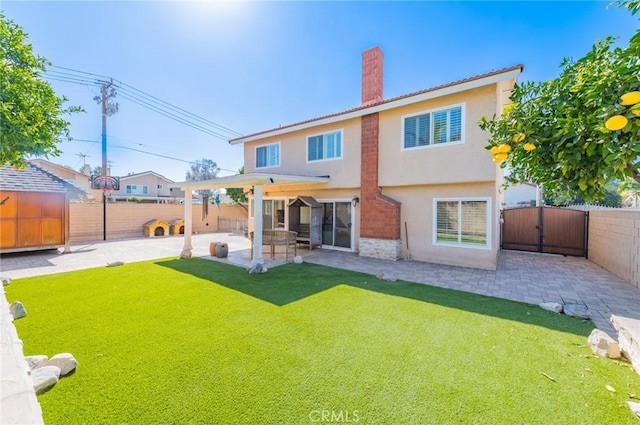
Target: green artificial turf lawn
[{"x": 195, "y": 341}]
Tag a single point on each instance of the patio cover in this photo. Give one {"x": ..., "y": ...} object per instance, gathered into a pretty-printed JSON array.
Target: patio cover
[{"x": 257, "y": 180}]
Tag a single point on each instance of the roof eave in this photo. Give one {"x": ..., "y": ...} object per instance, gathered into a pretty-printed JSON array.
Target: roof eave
[{"x": 383, "y": 106}]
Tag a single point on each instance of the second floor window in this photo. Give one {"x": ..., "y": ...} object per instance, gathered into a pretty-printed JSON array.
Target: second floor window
[
  {"x": 432, "y": 128},
  {"x": 268, "y": 156},
  {"x": 324, "y": 146}
]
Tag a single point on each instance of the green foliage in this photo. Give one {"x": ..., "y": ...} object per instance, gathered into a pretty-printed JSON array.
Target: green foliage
[
  {"x": 196, "y": 341},
  {"x": 565, "y": 120},
  {"x": 30, "y": 111},
  {"x": 630, "y": 192},
  {"x": 204, "y": 169},
  {"x": 236, "y": 193},
  {"x": 611, "y": 198}
]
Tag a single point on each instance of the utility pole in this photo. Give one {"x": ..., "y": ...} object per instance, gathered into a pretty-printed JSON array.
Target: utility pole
[{"x": 108, "y": 108}]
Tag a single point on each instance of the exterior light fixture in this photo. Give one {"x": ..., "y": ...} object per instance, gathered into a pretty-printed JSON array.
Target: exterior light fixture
[{"x": 354, "y": 201}]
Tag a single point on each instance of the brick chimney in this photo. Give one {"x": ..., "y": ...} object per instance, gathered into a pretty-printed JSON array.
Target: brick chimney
[
  {"x": 380, "y": 234},
  {"x": 372, "y": 76}
]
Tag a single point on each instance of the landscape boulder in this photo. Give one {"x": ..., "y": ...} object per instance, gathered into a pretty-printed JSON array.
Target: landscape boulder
[
  {"x": 576, "y": 310},
  {"x": 386, "y": 277},
  {"x": 297, "y": 259},
  {"x": 257, "y": 268},
  {"x": 635, "y": 407},
  {"x": 64, "y": 361},
  {"x": 602, "y": 344},
  {"x": 35, "y": 362},
  {"x": 553, "y": 307},
  {"x": 44, "y": 378},
  {"x": 17, "y": 310}
]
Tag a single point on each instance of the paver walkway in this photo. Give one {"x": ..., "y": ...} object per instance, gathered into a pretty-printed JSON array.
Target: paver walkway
[{"x": 524, "y": 277}]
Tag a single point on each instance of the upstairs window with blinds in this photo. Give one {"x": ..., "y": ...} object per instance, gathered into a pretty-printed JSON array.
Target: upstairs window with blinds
[
  {"x": 268, "y": 156},
  {"x": 462, "y": 222},
  {"x": 433, "y": 127},
  {"x": 324, "y": 146}
]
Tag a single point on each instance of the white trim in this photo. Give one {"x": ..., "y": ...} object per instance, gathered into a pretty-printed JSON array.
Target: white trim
[
  {"x": 463, "y": 115},
  {"x": 322, "y": 134},
  {"x": 434, "y": 224},
  {"x": 352, "y": 212},
  {"x": 457, "y": 88},
  {"x": 255, "y": 155}
]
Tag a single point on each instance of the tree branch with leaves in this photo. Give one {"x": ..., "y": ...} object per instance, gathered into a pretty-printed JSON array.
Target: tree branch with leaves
[
  {"x": 31, "y": 122},
  {"x": 579, "y": 131}
]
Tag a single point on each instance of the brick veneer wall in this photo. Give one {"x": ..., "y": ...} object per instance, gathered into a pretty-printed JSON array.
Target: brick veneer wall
[
  {"x": 614, "y": 243},
  {"x": 379, "y": 214},
  {"x": 372, "y": 76}
]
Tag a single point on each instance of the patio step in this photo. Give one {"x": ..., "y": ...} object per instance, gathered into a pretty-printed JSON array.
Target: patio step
[{"x": 628, "y": 338}]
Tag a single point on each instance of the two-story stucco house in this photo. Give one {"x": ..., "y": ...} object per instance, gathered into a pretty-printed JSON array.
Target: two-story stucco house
[
  {"x": 406, "y": 177},
  {"x": 146, "y": 186}
]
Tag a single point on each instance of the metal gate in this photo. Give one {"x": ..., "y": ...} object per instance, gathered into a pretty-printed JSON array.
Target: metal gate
[{"x": 545, "y": 229}]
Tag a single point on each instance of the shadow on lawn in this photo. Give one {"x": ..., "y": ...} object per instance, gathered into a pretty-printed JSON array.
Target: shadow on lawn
[{"x": 292, "y": 282}]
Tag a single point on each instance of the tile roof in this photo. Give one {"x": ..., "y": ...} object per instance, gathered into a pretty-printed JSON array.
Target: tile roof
[
  {"x": 382, "y": 102},
  {"x": 35, "y": 179}
]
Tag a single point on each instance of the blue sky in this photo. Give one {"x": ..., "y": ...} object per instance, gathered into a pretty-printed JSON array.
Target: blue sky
[{"x": 251, "y": 66}]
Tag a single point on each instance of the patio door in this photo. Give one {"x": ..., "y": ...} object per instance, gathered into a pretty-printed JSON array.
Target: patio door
[
  {"x": 336, "y": 224},
  {"x": 273, "y": 214}
]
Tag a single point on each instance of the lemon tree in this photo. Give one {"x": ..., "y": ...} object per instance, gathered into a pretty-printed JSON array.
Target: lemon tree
[
  {"x": 31, "y": 120},
  {"x": 579, "y": 131}
]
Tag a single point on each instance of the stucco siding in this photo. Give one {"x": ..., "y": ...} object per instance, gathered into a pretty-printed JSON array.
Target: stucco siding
[
  {"x": 444, "y": 163},
  {"x": 417, "y": 212},
  {"x": 344, "y": 172}
]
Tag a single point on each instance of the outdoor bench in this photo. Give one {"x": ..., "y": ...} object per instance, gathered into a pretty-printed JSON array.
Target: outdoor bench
[{"x": 277, "y": 237}]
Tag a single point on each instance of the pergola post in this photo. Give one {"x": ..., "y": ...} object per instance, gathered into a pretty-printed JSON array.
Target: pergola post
[
  {"x": 257, "y": 225},
  {"x": 187, "y": 249}
]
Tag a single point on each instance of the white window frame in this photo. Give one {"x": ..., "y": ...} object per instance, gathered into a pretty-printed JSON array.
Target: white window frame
[
  {"x": 129, "y": 188},
  {"x": 160, "y": 186},
  {"x": 460, "y": 244},
  {"x": 267, "y": 147},
  {"x": 324, "y": 157},
  {"x": 462, "y": 107}
]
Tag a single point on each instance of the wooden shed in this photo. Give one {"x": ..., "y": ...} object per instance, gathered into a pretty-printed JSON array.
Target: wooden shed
[
  {"x": 305, "y": 217},
  {"x": 34, "y": 209}
]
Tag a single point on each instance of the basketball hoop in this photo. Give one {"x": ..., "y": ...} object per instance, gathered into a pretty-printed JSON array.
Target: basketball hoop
[{"x": 106, "y": 183}]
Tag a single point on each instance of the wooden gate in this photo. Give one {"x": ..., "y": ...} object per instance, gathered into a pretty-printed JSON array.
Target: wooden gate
[{"x": 545, "y": 229}]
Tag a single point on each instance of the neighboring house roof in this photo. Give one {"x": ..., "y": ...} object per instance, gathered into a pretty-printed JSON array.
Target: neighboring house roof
[
  {"x": 160, "y": 176},
  {"x": 48, "y": 165},
  {"x": 430, "y": 93},
  {"x": 35, "y": 179}
]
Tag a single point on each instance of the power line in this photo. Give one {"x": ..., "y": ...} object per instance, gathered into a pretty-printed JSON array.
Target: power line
[
  {"x": 150, "y": 153},
  {"x": 169, "y": 110}
]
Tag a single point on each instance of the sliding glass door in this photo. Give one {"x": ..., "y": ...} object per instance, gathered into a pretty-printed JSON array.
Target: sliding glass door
[{"x": 336, "y": 224}]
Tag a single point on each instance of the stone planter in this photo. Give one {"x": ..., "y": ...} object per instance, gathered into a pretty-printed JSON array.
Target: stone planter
[{"x": 222, "y": 250}]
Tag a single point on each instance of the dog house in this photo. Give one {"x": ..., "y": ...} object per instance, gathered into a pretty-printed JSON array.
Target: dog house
[
  {"x": 176, "y": 227},
  {"x": 305, "y": 217},
  {"x": 155, "y": 228}
]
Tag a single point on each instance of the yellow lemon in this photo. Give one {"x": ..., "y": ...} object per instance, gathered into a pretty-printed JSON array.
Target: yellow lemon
[
  {"x": 616, "y": 122},
  {"x": 500, "y": 157},
  {"x": 518, "y": 137},
  {"x": 504, "y": 148},
  {"x": 636, "y": 112},
  {"x": 529, "y": 147},
  {"x": 630, "y": 98},
  {"x": 494, "y": 150}
]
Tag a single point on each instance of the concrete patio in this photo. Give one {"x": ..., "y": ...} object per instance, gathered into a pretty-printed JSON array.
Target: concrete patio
[{"x": 524, "y": 277}]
